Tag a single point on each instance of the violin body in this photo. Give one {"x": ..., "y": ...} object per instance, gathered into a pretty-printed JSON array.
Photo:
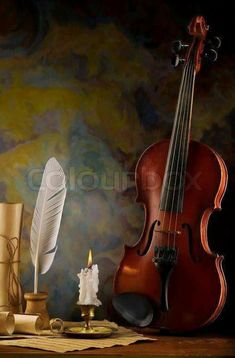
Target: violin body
[
  {"x": 171, "y": 271},
  {"x": 196, "y": 286}
]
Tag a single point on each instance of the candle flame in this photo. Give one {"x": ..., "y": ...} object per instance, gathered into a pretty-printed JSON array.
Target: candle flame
[{"x": 89, "y": 262}]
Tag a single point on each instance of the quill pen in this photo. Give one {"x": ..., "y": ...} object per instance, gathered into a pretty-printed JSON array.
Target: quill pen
[{"x": 46, "y": 218}]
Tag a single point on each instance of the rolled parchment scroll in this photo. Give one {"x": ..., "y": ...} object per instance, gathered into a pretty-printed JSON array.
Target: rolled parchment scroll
[
  {"x": 10, "y": 230},
  {"x": 19, "y": 323},
  {"x": 7, "y": 323},
  {"x": 29, "y": 324}
]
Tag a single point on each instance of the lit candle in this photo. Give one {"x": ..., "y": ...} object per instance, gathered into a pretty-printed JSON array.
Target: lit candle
[{"x": 89, "y": 282}]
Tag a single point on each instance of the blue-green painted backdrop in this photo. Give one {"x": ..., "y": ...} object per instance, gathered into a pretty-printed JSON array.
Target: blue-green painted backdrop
[{"x": 92, "y": 85}]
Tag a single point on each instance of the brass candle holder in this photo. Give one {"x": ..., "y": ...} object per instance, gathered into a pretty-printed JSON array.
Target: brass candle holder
[
  {"x": 87, "y": 313},
  {"x": 89, "y": 276},
  {"x": 87, "y": 330}
]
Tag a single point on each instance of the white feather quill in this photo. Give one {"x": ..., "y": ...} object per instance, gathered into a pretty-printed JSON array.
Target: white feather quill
[{"x": 46, "y": 218}]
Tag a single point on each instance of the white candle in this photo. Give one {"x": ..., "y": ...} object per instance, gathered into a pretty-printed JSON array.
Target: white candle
[{"x": 88, "y": 286}]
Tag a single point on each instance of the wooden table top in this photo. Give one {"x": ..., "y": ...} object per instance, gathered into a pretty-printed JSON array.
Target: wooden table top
[{"x": 165, "y": 346}]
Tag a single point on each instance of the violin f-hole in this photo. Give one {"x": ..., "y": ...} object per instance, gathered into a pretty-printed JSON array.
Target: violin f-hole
[{"x": 150, "y": 237}]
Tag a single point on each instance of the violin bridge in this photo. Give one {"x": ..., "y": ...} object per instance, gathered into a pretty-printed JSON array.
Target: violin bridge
[{"x": 168, "y": 232}]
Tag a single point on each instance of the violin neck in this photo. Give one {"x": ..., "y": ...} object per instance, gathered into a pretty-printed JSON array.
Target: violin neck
[{"x": 172, "y": 194}]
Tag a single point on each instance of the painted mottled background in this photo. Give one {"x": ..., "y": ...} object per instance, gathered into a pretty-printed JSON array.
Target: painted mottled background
[{"x": 90, "y": 83}]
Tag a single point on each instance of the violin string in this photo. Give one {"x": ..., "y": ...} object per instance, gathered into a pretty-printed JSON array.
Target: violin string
[
  {"x": 182, "y": 159},
  {"x": 178, "y": 154},
  {"x": 187, "y": 135},
  {"x": 184, "y": 149},
  {"x": 178, "y": 191},
  {"x": 172, "y": 146}
]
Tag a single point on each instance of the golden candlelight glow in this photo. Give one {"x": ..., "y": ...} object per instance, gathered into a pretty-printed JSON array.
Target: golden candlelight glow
[{"x": 89, "y": 262}]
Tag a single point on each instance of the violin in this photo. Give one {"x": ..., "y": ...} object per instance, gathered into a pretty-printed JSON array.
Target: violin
[{"x": 170, "y": 279}]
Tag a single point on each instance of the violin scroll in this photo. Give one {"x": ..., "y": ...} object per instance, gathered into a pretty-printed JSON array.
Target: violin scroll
[
  {"x": 198, "y": 27},
  {"x": 200, "y": 50}
]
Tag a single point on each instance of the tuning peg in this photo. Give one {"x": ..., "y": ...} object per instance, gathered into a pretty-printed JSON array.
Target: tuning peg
[
  {"x": 176, "y": 61},
  {"x": 177, "y": 46},
  {"x": 214, "y": 42},
  {"x": 210, "y": 55}
]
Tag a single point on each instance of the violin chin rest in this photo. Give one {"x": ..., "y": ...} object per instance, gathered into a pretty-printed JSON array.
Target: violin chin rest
[{"x": 135, "y": 308}]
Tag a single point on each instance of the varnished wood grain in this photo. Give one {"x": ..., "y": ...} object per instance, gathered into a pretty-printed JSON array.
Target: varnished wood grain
[
  {"x": 197, "y": 286},
  {"x": 163, "y": 347}
]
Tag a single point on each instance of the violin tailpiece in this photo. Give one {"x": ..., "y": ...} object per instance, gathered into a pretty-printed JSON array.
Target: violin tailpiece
[{"x": 165, "y": 259}]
